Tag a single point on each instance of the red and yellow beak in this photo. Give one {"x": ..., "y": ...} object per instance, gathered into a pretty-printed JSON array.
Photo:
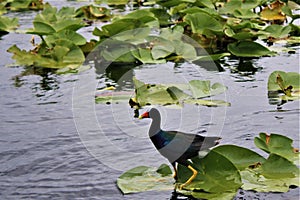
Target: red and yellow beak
[{"x": 145, "y": 115}]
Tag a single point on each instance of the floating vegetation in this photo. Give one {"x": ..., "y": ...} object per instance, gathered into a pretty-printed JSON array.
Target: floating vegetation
[
  {"x": 234, "y": 28},
  {"x": 224, "y": 170}
]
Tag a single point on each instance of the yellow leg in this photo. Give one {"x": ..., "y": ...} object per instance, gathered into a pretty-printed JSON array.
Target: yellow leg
[
  {"x": 195, "y": 172},
  {"x": 175, "y": 171}
]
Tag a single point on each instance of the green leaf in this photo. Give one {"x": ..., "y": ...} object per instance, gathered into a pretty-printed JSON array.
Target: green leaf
[
  {"x": 248, "y": 49},
  {"x": 276, "y": 31},
  {"x": 41, "y": 28},
  {"x": 241, "y": 157},
  {"x": 164, "y": 170},
  {"x": 256, "y": 182},
  {"x": 166, "y": 94},
  {"x": 144, "y": 178},
  {"x": 278, "y": 167},
  {"x": 216, "y": 174},
  {"x": 202, "y": 89},
  {"x": 8, "y": 24},
  {"x": 276, "y": 174},
  {"x": 70, "y": 35},
  {"x": 277, "y": 144},
  {"x": 201, "y": 22},
  {"x": 118, "y": 26},
  {"x": 244, "y": 14},
  {"x": 145, "y": 56},
  {"x": 288, "y": 79},
  {"x": 161, "y": 47},
  {"x": 118, "y": 51},
  {"x": 93, "y": 12}
]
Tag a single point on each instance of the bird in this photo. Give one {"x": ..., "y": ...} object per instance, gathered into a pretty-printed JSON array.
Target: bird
[{"x": 177, "y": 147}]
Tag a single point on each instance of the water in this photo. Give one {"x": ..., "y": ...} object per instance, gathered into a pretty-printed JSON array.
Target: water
[{"x": 43, "y": 155}]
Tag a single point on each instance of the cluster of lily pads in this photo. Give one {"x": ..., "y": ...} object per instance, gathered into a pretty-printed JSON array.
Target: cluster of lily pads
[
  {"x": 282, "y": 87},
  {"x": 153, "y": 32},
  {"x": 224, "y": 170}
]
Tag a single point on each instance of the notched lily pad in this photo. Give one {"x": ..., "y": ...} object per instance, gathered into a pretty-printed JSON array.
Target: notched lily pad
[{"x": 277, "y": 144}]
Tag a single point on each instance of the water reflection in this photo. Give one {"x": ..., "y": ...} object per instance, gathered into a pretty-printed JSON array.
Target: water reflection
[
  {"x": 242, "y": 69},
  {"x": 48, "y": 80}
]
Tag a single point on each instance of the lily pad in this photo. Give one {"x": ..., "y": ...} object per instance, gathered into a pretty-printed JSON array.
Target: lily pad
[
  {"x": 277, "y": 144},
  {"x": 94, "y": 12},
  {"x": 221, "y": 172},
  {"x": 216, "y": 174},
  {"x": 8, "y": 24},
  {"x": 248, "y": 49},
  {"x": 280, "y": 80},
  {"x": 284, "y": 86},
  {"x": 24, "y": 5},
  {"x": 273, "y": 12},
  {"x": 160, "y": 94},
  {"x": 241, "y": 157},
  {"x": 276, "y": 174},
  {"x": 202, "y": 22},
  {"x": 143, "y": 178},
  {"x": 276, "y": 31},
  {"x": 202, "y": 89},
  {"x": 63, "y": 54}
]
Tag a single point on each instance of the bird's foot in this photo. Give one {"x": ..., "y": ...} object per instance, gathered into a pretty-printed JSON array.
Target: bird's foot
[{"x": 179, "y": 186}]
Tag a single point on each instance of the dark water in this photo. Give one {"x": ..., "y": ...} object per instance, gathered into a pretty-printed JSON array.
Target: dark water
[{"x": 47, "y": 153}]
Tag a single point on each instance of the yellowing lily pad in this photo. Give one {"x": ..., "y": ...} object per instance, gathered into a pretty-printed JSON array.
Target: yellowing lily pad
[{"x": 273, "y": 11}]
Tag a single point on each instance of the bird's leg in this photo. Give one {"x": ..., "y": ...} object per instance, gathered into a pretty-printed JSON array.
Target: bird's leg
[
  {"x": 195, "y": 172},
  {"x": 175, "y": 171}
]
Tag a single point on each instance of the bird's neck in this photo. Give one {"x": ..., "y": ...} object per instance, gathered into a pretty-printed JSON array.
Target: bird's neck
[{"x": 155, "y": 126}]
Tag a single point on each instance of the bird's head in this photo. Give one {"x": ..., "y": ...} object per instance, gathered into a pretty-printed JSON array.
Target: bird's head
[
  {"x": 152, "y": 113},
  {"x": 144, "y": 115}
]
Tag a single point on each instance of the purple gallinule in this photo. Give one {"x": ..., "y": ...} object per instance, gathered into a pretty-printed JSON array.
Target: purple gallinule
[{"x": 176, "y": 146}]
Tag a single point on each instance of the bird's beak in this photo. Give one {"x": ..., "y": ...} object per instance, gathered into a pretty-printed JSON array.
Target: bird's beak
[{"x": 145, "y": 115}]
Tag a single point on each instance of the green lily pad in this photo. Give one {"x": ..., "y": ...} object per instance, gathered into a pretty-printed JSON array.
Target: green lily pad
[
  {"x": 248, "y": 49},
  {"x": 70, "y": 35},
  {"x": 25, "y": 5},
  {"x": 145, "y": 56},
  {"x": 8, "y": 24},
  {"x": 280, "y": 80},
  {"x": 143, "y": 178},
  {"x": 241, "y": 157},
  {"x": 277, "y": 144},
  {"x": 216, "y": 174},
  {"x": 244, "y": 14},
  {"x": 64, "y": 54},
  {"x": 221, "y": 172},
  {"x": 202, "y": 89},
  {"x": 166, "y": 94},
  {"x": 94, "y": 12},
  {"x": 276, "y": 31},
  {"x": 276, "y": 174},
  {"x": 202, "y": 22},
  {"x": 286, "y": 83},
  {"x": 50, "y": 21}
]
